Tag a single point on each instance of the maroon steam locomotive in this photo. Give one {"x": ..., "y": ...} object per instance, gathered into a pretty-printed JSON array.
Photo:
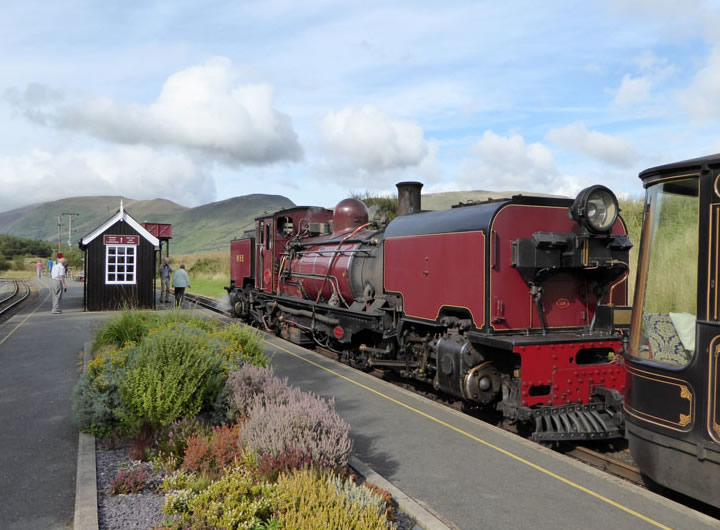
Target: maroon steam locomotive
[{"x": 513, "y": 304}]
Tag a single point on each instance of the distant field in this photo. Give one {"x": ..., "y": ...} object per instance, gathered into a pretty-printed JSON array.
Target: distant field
[{"x": 211, "y": 288}]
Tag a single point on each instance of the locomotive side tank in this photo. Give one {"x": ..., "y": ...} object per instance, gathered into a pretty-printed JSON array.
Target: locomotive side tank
[{"x": 510, "y": 304}]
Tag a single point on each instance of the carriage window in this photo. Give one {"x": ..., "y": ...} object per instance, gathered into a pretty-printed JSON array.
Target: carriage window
[{"x": 666, "y": 288}]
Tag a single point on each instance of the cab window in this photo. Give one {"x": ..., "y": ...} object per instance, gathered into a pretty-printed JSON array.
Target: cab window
[{"x": 666, "y": 291}]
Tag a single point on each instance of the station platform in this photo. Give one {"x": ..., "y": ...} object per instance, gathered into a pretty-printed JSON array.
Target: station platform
[
  {"x": 41, "y": 360},
  {"x": 469, "y": 474}
]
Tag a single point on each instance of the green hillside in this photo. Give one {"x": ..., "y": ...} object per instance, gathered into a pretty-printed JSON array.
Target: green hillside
[
  {"x": 445, "y": 200},
  {"x": 207, "y": 227}
]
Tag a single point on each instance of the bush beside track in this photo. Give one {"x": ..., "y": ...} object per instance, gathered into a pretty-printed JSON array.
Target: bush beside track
[{"x": 240, "y": 447}]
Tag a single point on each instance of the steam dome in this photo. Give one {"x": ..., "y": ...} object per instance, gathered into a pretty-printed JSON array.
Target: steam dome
[{"x": 349, "y": 214}]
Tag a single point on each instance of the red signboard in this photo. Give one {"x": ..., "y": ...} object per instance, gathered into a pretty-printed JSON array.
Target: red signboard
[
  {"x": 159, "y": 229},
  {"x": 121, "y": 240}
]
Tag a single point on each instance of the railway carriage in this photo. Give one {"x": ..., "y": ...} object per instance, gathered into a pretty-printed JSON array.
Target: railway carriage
[
  {"x": 673, "y": 362},
  {"x": 511, "y": 304}
]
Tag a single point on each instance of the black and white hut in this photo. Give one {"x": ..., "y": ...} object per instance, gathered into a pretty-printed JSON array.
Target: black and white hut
[{"x": 119, "y": 265}]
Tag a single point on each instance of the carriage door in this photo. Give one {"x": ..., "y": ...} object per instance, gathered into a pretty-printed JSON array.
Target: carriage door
[{"x": 267, "y": 257}]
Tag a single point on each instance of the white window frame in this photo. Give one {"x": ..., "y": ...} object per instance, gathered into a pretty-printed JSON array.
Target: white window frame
[{"x": 130, "y": 258}]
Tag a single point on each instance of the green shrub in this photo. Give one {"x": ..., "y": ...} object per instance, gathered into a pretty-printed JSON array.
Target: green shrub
[
  {"x": 93, "y": 409},
  {"x": 245, "y": 345},
  {"x": 129, "y": 327},
  {"x": 237, "y": 500},
  {"x": 18, "y": 264},
  {"x": 95, "y": 400},
  {"x": 175, "y": 373},
  {"x": 306, "y": 500},
  {"x": 181, "y": 316},
  {"x": 184, "y": 480}
]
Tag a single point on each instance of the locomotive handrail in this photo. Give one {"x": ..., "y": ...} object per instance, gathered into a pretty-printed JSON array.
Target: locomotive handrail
[
  {"x": 333, "y": 252},
  {"x": 332, "y": 260}
]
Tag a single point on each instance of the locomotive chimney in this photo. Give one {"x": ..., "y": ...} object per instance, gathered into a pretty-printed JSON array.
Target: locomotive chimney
[{"x": 408, "y": 197}]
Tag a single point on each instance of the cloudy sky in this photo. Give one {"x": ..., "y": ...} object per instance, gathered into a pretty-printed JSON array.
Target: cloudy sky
[{"x": 197, "y": 101}]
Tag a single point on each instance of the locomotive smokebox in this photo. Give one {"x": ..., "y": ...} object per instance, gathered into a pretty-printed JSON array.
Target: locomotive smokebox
[{"x": 408, "y": 197}]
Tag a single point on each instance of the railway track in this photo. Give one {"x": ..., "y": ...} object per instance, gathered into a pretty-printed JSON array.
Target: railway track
[
  {"x": 208, "y": 303},
  {"x": 612, "y": 460},
  {"x": 13, "y": 293}
]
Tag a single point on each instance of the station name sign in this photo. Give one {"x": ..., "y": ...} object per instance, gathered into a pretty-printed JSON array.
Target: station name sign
[{"x": 121, "y": 240}]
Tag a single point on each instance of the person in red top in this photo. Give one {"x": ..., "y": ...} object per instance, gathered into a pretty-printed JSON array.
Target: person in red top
[{"x": 39, "y": 267}]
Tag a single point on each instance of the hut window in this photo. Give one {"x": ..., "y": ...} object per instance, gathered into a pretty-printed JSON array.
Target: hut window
[{"x": 120, "y": 264}]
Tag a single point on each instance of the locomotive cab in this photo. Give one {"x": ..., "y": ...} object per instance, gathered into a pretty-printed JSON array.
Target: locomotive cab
[{"x": 671, "y": 402}]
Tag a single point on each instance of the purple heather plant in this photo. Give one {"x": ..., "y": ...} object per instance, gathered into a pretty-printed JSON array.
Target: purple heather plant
[
  {"x": 129, "y": 481},
  {"x": 305, "y": 429}
]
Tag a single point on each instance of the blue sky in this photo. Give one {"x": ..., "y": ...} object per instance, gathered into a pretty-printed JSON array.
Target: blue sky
[{"x": 202, "y": 101}]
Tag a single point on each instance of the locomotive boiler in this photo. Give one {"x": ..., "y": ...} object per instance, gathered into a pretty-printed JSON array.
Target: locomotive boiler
[{"x": 516, "y": 304}]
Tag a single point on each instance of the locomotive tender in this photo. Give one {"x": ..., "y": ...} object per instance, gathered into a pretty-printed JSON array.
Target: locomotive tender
[{"x": 512, "y": 304}]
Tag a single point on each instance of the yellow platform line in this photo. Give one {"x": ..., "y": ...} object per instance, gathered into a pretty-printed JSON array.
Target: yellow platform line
[
  {"x": 27, "y": 317},
  {"x": 485, "y": 443}
]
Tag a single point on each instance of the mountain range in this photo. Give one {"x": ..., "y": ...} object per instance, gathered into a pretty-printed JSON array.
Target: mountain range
[{"x": 203, "y": 228}]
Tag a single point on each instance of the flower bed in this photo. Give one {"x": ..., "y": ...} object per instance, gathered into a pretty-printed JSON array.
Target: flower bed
[{"x": 212, "y": 434}]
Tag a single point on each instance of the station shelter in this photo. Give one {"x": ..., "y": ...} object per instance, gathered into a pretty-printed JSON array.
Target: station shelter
[{"x": 120, "y": 264}]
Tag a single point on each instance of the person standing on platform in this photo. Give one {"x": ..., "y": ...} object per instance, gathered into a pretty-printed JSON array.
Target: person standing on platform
[
  {"x": 180, "y": 282},
  {"x": 165, "y": 272},
  {"x": 50, "y": 266},
  {"x": 59, "y": 286},
  {"x": 39, "y": 267}
]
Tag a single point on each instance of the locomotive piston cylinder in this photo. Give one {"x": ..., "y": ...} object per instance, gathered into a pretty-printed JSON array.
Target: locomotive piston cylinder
[{"x": 482, "y": 383}]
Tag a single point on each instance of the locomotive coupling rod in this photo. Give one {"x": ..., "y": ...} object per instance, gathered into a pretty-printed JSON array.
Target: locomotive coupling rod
[{"x": 364, "y": 347}]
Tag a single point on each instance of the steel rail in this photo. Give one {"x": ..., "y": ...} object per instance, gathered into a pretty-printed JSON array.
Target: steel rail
[
  {"x": 608, "y": 464},
  {"x": 14, "y": 299},
  {"x": 15, "y": 290},
  {"x": 208, "y": 303}
]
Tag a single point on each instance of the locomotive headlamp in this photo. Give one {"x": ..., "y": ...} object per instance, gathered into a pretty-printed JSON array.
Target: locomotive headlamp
[{"x": 596, "y": 207}]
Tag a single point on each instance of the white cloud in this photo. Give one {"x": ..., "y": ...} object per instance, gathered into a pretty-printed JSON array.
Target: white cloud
[
  {"x": 603, "y": 147},
  {"x": 637, "y": 90},
  {"x": 365, "y": 138},
  {"x": 508, "y": 163},
  {"x": 203, "y": 109},
  {"x": 633, "y": 90},
  {"x": 702, "y": 98},
  {"x": 133, "y": 171}
]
